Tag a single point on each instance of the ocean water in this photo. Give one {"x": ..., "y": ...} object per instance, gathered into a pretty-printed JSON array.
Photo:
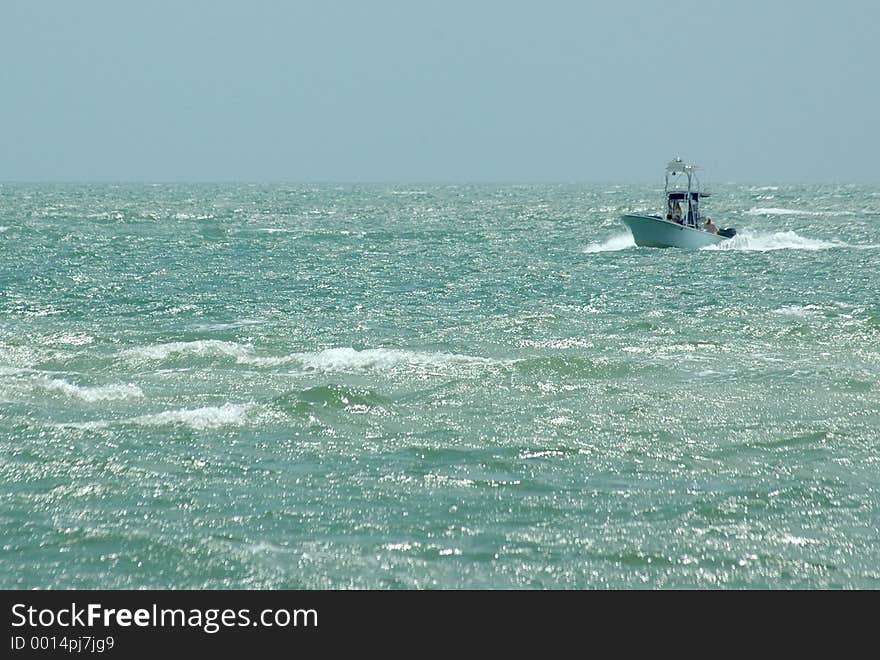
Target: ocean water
[{"x": 290, "y": 386}]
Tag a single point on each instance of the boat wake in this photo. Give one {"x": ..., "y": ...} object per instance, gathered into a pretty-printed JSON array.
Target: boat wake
[
  {"x": 762, "y": 211},
  {"x": 748, "y": 241},
  {"x": 615, "y": 243}
]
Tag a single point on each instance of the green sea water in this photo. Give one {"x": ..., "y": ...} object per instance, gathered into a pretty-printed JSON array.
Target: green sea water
[{"x": 288, "y": 386}]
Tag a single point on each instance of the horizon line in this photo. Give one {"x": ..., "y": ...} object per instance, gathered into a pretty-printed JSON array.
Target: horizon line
[{"x": 437, "y": 182}]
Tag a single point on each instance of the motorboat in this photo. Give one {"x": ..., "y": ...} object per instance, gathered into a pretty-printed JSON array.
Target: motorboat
[{"x": 680, "y": 227}]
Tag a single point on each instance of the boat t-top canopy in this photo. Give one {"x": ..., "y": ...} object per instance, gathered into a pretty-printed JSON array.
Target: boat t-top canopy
[{"x": 678, "y": 166}]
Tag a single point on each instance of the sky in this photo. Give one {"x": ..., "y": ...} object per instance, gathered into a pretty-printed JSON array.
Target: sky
[{"x": 451, "y": 91}]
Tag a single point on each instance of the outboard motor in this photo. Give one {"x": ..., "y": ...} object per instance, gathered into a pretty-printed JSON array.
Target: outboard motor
[{"x": 727, "y": 232}]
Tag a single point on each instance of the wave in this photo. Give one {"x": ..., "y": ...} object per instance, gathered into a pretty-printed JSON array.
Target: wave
[
  {"x": 338, "y": 397},
  {"x": 114, "y": 392},
  {"x": 210, "y": 417},
  {"x": 615, "y": 243},
  {"x": 25, "y": 381},
  {"x": 193, "y": 216},
  {"x": 199, "y": 419},
  {"x": 801, "y": 311},
  {"x": 566, "y": 365},
  {"x": 13, "y": 371},
  {"x": 201, "y": 347},
  {"x": 782, "y": 240},
  {"x": 232, "y": 325},
  {"x": 380, "y": 359},
  {"x": 71, "y": 339},
  {"x": 343, "y": 360}
]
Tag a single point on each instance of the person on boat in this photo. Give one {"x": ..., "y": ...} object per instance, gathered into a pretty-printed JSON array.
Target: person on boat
[
  {"x": 676, "y": 212},
  {"x": 710, "y": 226}
]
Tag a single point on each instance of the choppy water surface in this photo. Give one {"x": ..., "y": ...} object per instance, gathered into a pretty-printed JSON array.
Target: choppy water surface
[{"x": 451, "y": 386}]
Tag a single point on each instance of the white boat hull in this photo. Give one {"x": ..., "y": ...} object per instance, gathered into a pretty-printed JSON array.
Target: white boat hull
[{"x": 651, "y": 231}]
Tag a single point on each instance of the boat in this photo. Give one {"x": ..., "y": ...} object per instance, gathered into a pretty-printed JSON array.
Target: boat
[{"x": 679, "y": 228}]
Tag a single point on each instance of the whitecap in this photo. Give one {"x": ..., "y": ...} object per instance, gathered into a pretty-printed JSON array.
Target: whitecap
[
  {"x": 784, "y": 211},
  {"x": 72, "y": 339},
  {"x": 84, "y": 426},
  {"x": 402, "y": 546},
  {"x": 201, "y": 347},
  {"x": 13, "y": 371},
  {"x": 339, "y": 360},
  {"x": 798, "y": 310},
  {"x": 210, "y": 417},
  {"x": 348, "y": 359},
  {"x": 191, "y": 216},
  {"x": 114, "y": 392},
  {"x": 208, "y": 327},
  {"x": 199, "y": 419}
]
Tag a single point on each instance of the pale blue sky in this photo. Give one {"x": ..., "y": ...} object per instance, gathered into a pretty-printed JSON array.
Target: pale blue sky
[{"x": 455, "y": 90}]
